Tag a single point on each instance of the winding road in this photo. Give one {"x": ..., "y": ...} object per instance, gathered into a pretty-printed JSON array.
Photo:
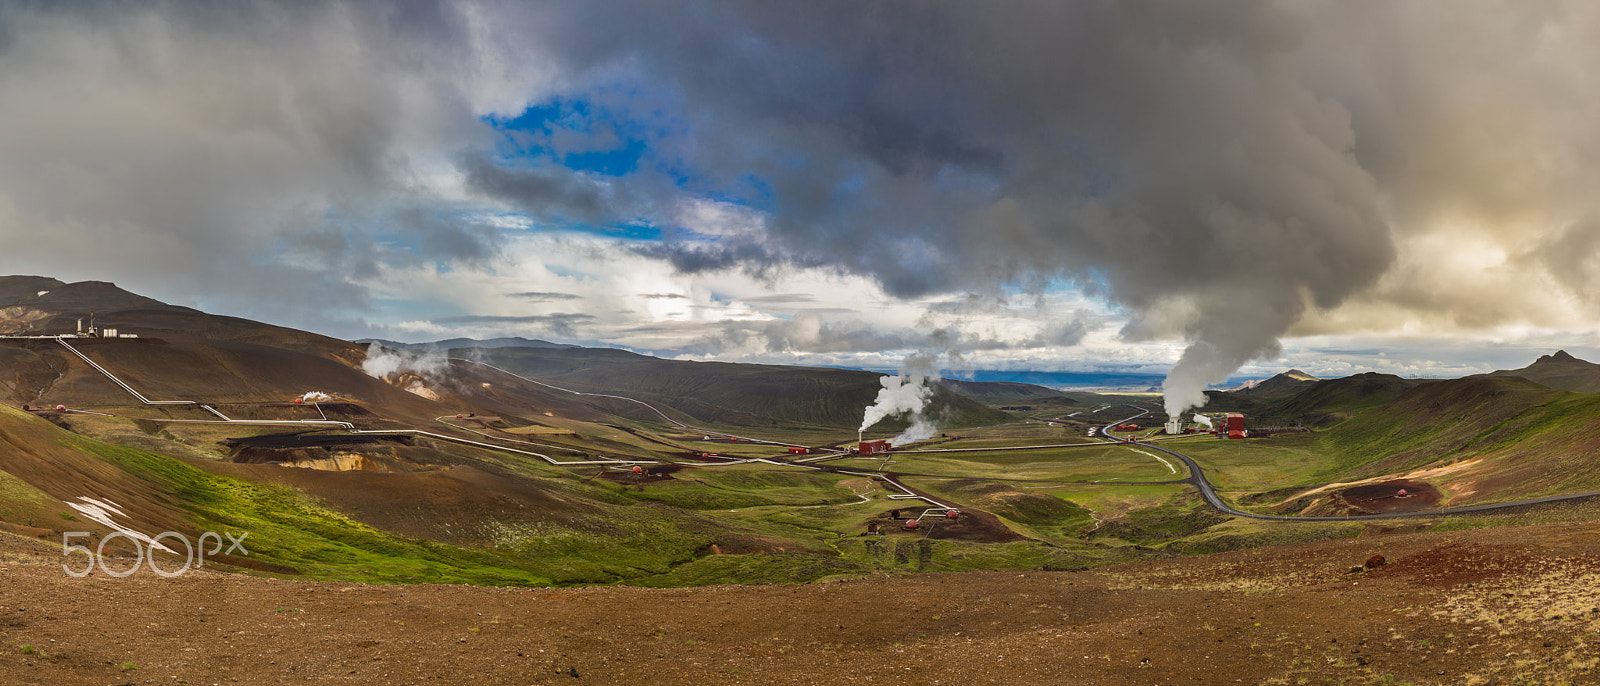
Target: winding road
[{"x": 1197, "y": 476}]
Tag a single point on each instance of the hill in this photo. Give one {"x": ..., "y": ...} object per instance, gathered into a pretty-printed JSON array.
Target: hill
[
  {"x": 64, "y": 306},
  {"x": 1560, "y": 371},
  {"x": 56, "y": 296},
  {"x": 1473, "y": 440},
  {"x": 1327, "y": 401},
  {"x": 725, "y": 393},
  {"x": 1279, "y": 387},
  {"x": 1123, "y": 380},
  {"x": 1008, "y": 392},
  {"x": 453, "y": 343}
]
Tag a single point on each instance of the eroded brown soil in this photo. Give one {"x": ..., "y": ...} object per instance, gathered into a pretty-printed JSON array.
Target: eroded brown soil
[
  {"x": 1495, "y": 606},
  {"x": 1395, "y": 495}
]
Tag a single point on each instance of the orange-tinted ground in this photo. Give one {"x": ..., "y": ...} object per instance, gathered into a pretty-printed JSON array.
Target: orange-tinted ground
[{"x": 1512, "y": 605}]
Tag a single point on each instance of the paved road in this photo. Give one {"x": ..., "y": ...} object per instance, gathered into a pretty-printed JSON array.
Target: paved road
[{"x": 1198, "y": 478}]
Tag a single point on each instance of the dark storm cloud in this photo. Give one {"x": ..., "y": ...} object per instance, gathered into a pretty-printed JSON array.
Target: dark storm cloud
[
  {"x": 1222, "y": 170},
  {"x": 250, "y": 156},
  {"x": 1159, "y": 151},
  {"x": 1218, "y": 168},
  {"x": 547, "y": 193}
]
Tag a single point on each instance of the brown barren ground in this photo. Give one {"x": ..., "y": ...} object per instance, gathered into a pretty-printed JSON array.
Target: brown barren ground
[
  {"x": 1396, "y": 495},
  {"x": 1490, "y": 606}
]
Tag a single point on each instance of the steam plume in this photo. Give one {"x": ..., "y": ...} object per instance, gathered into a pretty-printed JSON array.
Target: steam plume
[
  {"x": 906, "y": 394},
  {"x": 382, "y": 362}
]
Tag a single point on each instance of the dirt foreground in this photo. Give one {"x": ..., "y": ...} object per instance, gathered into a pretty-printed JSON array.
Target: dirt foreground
[{"x": 1513, "y": 605}]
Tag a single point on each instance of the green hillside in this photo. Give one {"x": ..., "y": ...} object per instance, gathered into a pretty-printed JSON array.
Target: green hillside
[
  {"x": 1479, "y": 439},
  {"x": 1433, "y": 421},
  {"x": 1332, "y": 400},
  {"x": 1561, "y": 371}
]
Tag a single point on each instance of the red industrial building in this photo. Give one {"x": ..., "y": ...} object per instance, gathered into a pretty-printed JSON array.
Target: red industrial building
[
  {"x": 873, "y": 447},
  {"x": 1234, "y": 425},
  {"x": 797, "y": 450}
]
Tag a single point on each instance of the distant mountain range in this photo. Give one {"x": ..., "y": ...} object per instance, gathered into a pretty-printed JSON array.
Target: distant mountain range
[
  {"x": 454, "y": 343},
  {"x": 1063, "y": 380}
]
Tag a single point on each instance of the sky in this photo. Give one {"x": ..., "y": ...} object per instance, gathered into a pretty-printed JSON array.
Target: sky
[{"x": 1201, "y": 190}]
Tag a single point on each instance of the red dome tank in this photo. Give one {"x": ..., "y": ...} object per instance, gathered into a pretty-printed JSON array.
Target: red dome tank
[
  {"x": 638, "y": 470},
  {"x": 299, "y": 401},
  {"x": 458, "y": 416},
  {"x": 952, "y": 514},
  {"x": 911, "y": 525},
  {"x": 61, "y": 408}
]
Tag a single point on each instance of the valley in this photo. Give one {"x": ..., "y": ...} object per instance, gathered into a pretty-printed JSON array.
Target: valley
[{"x": 548, "y": 467}]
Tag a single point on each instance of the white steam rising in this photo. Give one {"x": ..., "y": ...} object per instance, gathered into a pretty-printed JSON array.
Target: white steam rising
[
  {"x": 1202, "y": 419},
  {"x": 922, "y": 428},
  {"x": 382, "y": 362},
  {"x": 906, "y": 394},
  {"x": 315, "y": 396}
]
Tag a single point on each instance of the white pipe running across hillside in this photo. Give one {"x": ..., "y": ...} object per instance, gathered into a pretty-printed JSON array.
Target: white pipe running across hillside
[
  {"x": 444, "y": 421},
  {"x": 224, "y": 418},
  {"x": 542, "y": 456},
  {"x": 118, "y": 381},
  {"x": 904, "y": 494},
  {"x": 636, "y": 401}
]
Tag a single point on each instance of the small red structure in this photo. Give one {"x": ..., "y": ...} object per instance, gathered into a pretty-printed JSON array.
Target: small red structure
[
  {"x": 299, "y": 401},
  {"x": 1235, "y": 425},
  {"x": 1402, "y": 493},
  {"x": 797, "y": 450},
  {"x": 459, "y": 417},
  {"x": 952, "y": 514},
  {"x": 61, "y": 408},
  {"x": 638, "y": 470},
  {"x": 911, "y": 525},
  {"x": 873, "y": 447}
]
